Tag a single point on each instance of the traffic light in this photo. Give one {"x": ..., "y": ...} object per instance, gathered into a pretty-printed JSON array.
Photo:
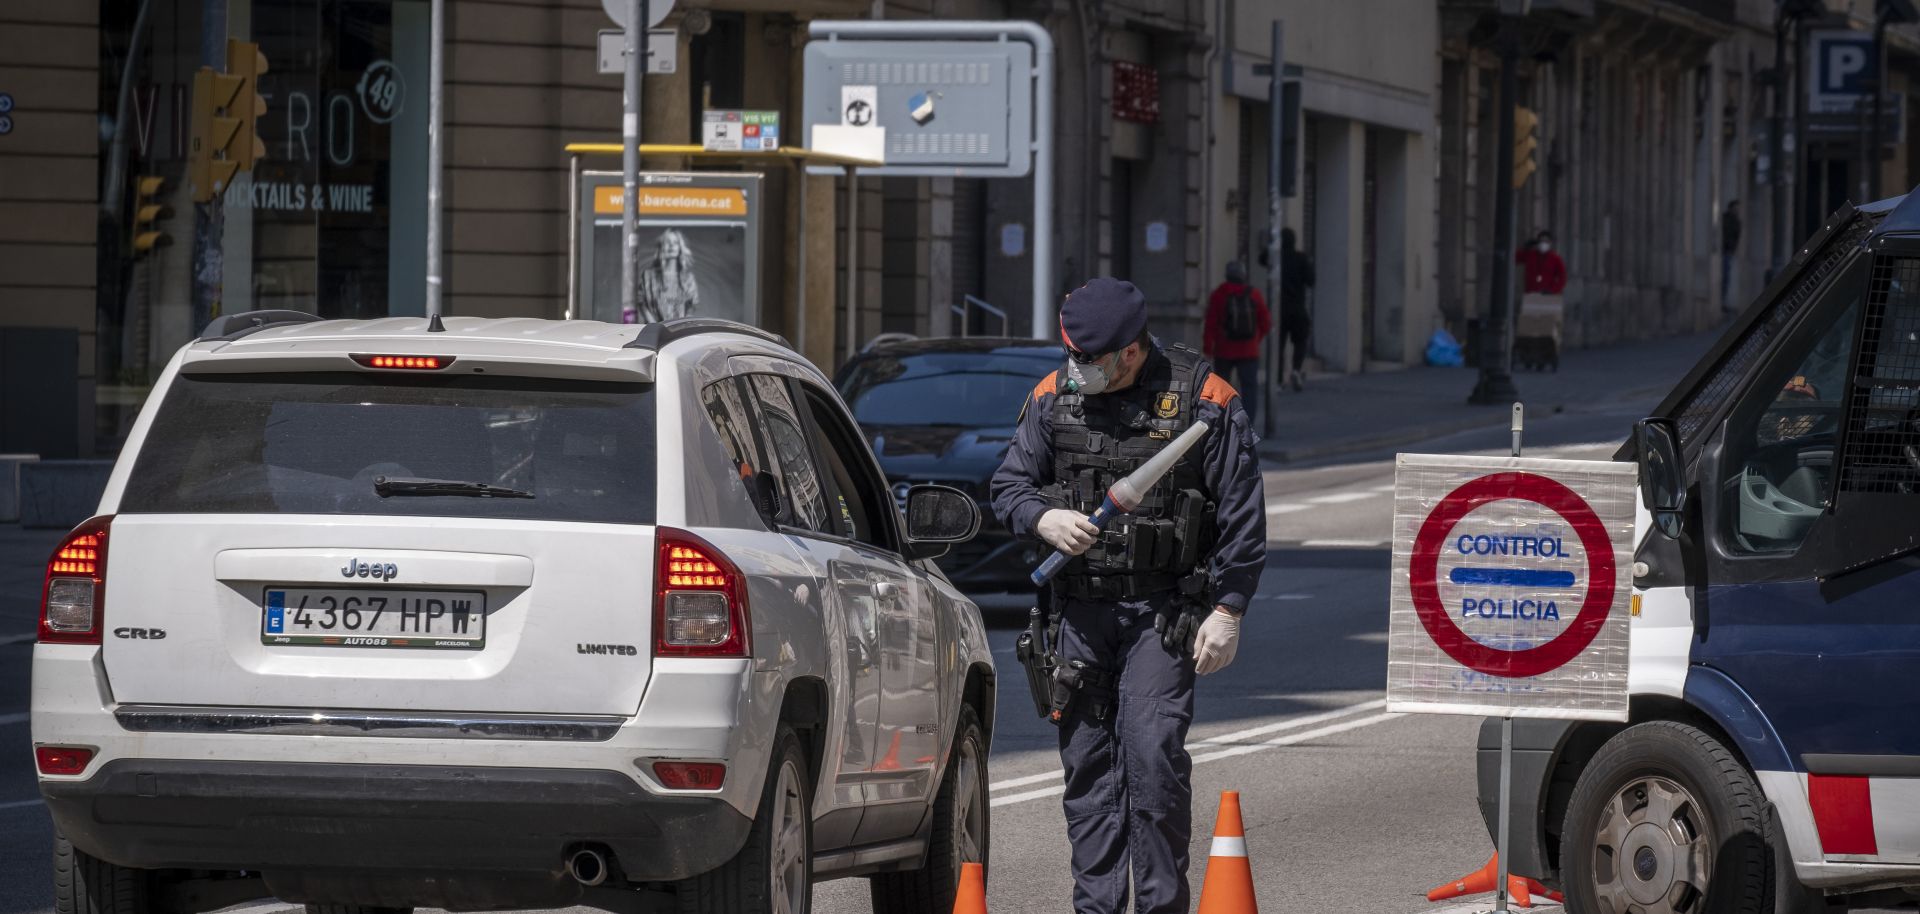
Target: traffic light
[
  {"x": 210, "y": 169},
  {"x": 147, "y": 213},
  {"x": 226, "y": 110},
  {"x": 246, "y": 63},
  {"x": 1525, "y": 144}
]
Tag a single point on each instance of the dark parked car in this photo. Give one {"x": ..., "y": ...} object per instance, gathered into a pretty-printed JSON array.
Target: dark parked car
[{"x": 944, "y": 410}]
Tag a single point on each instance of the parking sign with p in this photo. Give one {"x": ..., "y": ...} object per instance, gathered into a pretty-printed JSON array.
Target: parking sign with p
[{"x": 1840, "y": 64}]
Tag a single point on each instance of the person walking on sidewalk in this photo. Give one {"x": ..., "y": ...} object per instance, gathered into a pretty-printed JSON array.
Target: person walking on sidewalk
[
  {"x": 1147, "y": 603},
  {"x": 1296, "y": 322},
  {"x": 1541, "y": 265},
  {"x": 1235, "y": 332},
  {"x": 1729, "y": 251}
]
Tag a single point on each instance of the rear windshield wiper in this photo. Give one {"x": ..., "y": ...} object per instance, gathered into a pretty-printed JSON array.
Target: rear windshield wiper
[{"x": 385, "y": 486}]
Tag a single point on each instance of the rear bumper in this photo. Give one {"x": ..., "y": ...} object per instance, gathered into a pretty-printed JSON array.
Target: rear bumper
[{"x": 311, "y": 817}]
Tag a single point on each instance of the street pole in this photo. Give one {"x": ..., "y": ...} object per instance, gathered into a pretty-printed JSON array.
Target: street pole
[
  {"x": 636, "y": 45},
  {"x": 436, "y": 129},
  {"x": 1496, "y": 332},
  {"x": 1776, "y": 142},
  {"x": 1276, "y": 145},
  {"x": 1798, "y": 199}
]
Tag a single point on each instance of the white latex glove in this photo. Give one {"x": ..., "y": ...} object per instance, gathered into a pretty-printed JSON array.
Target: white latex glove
[
  {"x": 1216, "y": 643},
  {"x": 1068, "y": 531}
]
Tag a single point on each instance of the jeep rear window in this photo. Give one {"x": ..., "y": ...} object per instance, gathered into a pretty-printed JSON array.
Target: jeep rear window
[{"x": 314, "y": 443}]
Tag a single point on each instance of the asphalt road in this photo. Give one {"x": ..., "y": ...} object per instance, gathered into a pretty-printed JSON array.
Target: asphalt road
[{"x": 1345, "y": 805}]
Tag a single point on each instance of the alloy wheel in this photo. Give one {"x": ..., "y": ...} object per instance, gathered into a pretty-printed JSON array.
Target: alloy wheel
[{"x": 791, "y": 880}]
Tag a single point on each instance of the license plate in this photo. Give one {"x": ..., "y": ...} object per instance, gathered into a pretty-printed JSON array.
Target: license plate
[{"x": 368, "y": 617}]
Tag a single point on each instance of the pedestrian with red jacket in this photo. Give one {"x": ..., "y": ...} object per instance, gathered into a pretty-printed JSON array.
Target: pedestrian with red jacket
[
  {"x": 1236, "y": 326},
  {"x": 1541, "y": 266}
]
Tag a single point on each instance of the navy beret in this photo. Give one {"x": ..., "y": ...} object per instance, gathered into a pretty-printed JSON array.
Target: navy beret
[{"x": 1102, "y": 316}]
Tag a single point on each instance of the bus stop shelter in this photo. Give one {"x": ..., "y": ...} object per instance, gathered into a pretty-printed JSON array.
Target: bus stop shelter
[{"x": 811, "y": 320}]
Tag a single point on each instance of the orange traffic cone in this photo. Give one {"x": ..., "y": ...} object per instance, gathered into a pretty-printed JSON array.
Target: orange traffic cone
[
  {"x": 890, "y": 761},
  {"x": 1228, "y": 888},
  {"x": 972, "y": 895},
  {"x": 1519, "y": 888}
]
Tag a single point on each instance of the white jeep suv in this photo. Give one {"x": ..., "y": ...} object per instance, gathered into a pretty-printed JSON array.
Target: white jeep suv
[{"x": 506, "y": 613}]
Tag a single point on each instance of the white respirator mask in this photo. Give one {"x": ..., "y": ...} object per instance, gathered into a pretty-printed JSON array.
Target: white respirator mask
[{"x": 1086, "y": 377}]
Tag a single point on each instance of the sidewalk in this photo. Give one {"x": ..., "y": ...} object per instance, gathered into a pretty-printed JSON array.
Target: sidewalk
[{"x": 1343, "y": 414}]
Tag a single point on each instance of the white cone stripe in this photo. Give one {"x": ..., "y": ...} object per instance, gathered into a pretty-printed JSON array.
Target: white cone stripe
[{"x": 1228, "y": 847}]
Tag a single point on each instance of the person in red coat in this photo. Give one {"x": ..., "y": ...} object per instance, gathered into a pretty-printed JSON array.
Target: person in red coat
[
  {"x": 1235, "y": 353},
  {"x": 1542, "y": 267}
]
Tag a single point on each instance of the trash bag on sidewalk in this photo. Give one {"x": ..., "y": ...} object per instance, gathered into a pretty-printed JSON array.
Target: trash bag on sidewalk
[{"x": 1443, "y": 351}]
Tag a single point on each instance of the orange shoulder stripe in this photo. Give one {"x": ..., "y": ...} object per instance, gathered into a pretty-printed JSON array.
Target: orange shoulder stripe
[
  {"x": 1047, "y": 385},
  {"x": 1217, "y": 391}
]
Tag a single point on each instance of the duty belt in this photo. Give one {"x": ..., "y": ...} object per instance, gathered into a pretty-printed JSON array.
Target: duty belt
[{"x": 1117, "y": 586}]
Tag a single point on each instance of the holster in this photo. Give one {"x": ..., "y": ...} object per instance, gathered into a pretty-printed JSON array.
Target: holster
[
  {"x": 1032, "y": 651},
  {"x": 1078, "y": 684}
]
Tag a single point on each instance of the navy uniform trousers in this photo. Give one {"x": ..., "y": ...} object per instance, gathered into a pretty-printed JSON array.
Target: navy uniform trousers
[{"x": 1129, "y": 778}]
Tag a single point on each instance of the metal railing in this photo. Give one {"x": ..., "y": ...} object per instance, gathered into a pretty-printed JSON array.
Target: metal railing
[{"x": 970, "y": 302}]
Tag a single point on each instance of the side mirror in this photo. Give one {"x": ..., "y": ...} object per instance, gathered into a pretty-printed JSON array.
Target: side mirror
[
  {"x": 1663, "y": 478},
  {"x": 939, "y": 516}
]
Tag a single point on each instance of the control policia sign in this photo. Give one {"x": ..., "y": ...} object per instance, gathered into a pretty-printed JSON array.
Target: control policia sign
[{"x": 1511, "y": 585}]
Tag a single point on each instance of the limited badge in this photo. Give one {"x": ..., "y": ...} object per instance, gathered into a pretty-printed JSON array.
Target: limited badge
[{"x": 1167, "y": 407}]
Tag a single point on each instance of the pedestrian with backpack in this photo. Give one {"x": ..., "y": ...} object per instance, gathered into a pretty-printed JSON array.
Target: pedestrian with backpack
[{"x": 1236, "y": 326}]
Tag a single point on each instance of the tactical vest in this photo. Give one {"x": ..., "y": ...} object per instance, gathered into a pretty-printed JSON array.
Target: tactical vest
[{"x": 1098, "y": 440}]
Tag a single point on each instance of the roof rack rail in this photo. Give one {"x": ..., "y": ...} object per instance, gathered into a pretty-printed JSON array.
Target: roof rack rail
[
  {"x": 885, "y": 338},
  {"x": 229, "y": 327},
  {"x": 657, "y": 335}
]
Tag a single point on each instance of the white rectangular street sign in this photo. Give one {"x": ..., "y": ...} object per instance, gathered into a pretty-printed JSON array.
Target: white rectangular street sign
[
  {"x": 1512, "y": 578},
  {"x": 663, "y": 43}
]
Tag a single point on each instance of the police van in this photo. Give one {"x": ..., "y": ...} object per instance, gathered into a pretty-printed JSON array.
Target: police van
[{"x": 1772, "y": 760}]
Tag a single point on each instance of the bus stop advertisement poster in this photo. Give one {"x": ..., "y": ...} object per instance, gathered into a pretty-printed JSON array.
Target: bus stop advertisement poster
[
  {"x": 699, "y": 247},
  {"x": 1511, "y": 586}
]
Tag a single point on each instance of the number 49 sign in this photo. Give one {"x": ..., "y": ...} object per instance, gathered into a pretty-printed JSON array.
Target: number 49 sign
[{"x": 1511, "y": 582}]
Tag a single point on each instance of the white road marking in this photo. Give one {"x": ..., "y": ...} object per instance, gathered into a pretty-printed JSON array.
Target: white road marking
[
  {"x": 9, "y": 719},
  {"x": 1382, "y": 489},
  {"x": 1341, "y": 498},
  {"x": 1343, "y": 544},
  {"x": 1230, "y": 739},
  {"x": 1275, "y": 510},
  {"x": 19, "y": 804}
]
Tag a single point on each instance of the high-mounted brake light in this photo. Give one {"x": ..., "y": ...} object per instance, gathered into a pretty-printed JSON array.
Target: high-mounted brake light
[
  {"x": 406, "y": 362},
  {"x": 699, "y": 600},
  {"x": 76, "y": 585}
]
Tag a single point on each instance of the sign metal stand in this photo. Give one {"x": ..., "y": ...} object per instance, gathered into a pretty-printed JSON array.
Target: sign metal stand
[{"x": 1506, "y": 746}]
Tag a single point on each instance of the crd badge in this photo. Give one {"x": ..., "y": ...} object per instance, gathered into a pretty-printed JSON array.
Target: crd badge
[{"x": 383, "y": 571}]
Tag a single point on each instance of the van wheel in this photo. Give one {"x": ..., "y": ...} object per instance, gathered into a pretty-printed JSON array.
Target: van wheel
[
  {"x": 773, "y": 873},
  {"x": 1665, "y": 820},
  {"x": 961, "y": 823},
  {"x": 85, "y": 884}
]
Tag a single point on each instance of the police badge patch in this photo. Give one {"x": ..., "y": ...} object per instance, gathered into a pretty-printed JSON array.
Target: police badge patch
[{"x": 1167, "y": 407}]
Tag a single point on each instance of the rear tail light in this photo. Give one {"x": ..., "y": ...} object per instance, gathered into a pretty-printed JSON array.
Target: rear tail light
[
  {"x": 76, "y": 586},
  {"x": 690, "y": 775},
  {"x": 699, "y": 600},
  {"x": 62, "y": 759},
  {"x": 405, "y": 362}
]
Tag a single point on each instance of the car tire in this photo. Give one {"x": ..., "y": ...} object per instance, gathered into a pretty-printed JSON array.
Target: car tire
[
  {"x": 773, "y": 872},
  {"x": 961, "y": 826},
  {"x": 1666, "y": 820},
  {"x": 85, "y": 884}
]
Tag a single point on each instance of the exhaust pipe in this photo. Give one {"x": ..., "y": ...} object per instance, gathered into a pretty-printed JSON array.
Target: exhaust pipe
[{"x": 587, "y": 867}]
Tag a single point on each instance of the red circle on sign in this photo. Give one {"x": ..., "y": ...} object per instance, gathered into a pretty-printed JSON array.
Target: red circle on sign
[{"x": 1424, "y": 568}]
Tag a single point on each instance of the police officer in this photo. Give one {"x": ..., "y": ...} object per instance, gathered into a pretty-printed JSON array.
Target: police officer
[{"x": 1148, "y": 602}]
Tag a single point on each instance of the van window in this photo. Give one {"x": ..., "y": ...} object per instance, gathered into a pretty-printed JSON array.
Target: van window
[
  {"x": 314, "y": 443},
  {"x": 1781, "y": 439},
  {"x": 1883, "y": 431}
]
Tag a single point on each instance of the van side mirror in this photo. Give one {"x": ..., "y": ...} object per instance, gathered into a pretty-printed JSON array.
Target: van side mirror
[
  {"x": 1663, "y": 478},
  {"x": 938, "y": 516}
]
